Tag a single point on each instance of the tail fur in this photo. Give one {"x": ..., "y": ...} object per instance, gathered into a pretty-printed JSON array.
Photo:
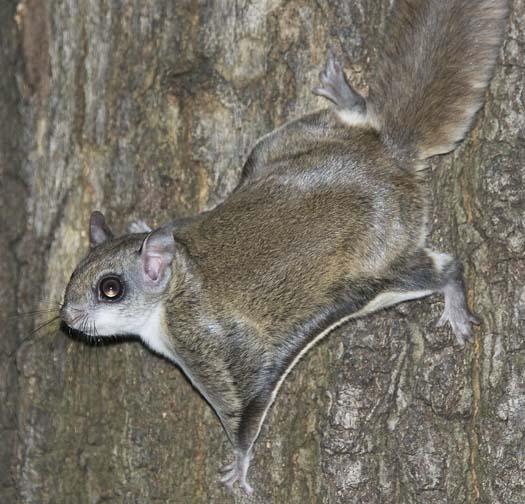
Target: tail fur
[{"x": 438, "y": 57}]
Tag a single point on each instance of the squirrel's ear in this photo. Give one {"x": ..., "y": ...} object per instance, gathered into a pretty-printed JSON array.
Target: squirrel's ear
[
  {"x": 157, "y": 253},
  {"x": 99, "y": 231}
]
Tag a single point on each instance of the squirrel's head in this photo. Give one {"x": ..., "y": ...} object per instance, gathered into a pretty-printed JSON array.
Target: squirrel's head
[{"x": 119, "y": 284}]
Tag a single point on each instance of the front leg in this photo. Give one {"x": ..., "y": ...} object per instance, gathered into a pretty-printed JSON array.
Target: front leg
[
  {"x": 238, "y": 471},
  {"x": 247, "y": 432}
]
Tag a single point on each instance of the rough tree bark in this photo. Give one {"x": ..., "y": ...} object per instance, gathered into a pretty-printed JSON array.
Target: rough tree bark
[{"x": 147, "y": 108}]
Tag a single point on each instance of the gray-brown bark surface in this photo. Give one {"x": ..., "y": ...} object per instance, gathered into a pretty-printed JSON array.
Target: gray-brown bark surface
[{"x": 148, "y": 109}]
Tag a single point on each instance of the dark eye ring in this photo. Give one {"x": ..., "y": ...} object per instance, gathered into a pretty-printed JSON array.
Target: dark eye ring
[{"x": 110, "y": 288}]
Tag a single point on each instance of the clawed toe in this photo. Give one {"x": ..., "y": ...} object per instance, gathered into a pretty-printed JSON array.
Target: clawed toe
[
  {"x": 227, "y": 468},
  {"x": 332, "y": 71},
  {"x": 231, "y": 477},
  {"x": 475, "y": 319},
  {"x": 246, "y": 487}
]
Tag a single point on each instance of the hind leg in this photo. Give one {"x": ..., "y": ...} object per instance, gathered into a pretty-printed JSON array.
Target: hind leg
[
  {"x": 429, "y": 272},
  {"x": 245, "y": 435},
  {"x": 456, "y": 311},
  {"x": 237, "y": 471}
]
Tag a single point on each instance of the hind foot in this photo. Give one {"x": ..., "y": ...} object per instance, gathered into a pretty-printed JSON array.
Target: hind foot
[{"x": 457, "y": 314}]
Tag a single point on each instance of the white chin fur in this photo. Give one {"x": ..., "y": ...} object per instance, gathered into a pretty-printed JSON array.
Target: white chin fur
[
  {"x": 110, "y": 322},
  {"x": 148, "y": 326}
]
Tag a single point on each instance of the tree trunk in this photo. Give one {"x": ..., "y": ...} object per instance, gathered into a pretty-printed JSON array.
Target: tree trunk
[{"x": 148, "y": 109}]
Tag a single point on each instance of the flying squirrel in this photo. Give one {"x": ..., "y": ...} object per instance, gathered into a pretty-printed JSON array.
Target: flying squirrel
[{"x": 328, "y": 223}]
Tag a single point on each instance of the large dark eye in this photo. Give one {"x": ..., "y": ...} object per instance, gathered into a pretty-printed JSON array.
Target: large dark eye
[{"x": 110, "y": 288}]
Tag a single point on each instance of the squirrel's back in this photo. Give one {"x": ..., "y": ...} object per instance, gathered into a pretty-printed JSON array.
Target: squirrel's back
[{"x": 437, "y": 59}]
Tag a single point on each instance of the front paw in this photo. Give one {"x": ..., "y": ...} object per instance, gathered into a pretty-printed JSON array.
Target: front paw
[{"x": 237, "y": 471}]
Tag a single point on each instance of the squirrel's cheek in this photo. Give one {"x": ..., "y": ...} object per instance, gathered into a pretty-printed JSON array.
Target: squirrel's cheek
[
  {"x": 112, "y": 321},
  {"x": 108, "y": 323}
]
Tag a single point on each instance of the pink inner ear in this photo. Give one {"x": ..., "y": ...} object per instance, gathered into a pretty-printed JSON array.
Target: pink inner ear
[{"x": 152, "y": 267}]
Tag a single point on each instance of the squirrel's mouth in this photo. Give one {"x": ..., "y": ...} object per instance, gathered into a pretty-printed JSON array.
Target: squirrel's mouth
[
  {"x": 79, "y": 320},
  {"x": 91, "y": 340}
]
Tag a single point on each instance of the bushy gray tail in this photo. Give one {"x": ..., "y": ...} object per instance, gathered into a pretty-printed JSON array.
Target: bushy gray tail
[{"x": 437, "y": 60}]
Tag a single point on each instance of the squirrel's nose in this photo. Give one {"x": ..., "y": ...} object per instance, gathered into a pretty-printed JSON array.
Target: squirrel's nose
[
  {"x": 65, "y": 313},
  {"x": 69, "y": 314}
]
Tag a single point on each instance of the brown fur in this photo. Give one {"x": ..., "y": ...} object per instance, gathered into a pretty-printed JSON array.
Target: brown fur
[{"x": 438, "y": 57}]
